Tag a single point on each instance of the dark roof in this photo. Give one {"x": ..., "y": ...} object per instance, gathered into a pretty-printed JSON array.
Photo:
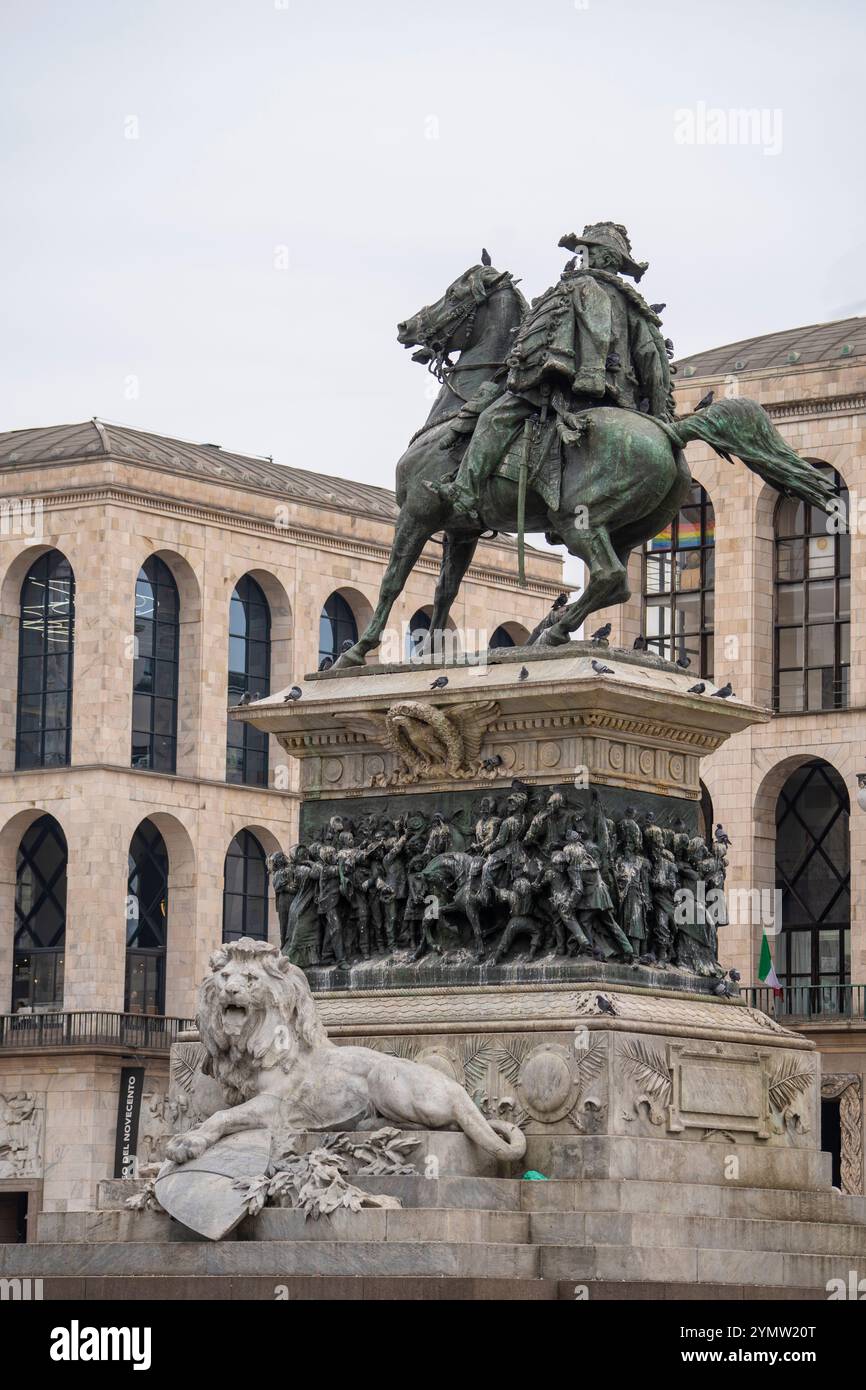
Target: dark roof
[
  {"x": 95, "y": 438},
  {"x": 818, "y": 342}
]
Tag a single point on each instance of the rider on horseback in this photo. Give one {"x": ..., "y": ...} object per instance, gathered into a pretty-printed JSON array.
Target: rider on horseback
[{"x": 590, "y": 340}]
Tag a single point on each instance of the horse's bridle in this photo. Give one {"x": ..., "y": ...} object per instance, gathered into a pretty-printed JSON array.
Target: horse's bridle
[{"x": 439, "y": 366}]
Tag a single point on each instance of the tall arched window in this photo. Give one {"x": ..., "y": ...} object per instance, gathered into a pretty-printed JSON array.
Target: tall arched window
[
  {"x": 245, "y": 890},
  {"x": 336, "y": 626},
  {"x": 813, "y": 607},
  {"x": 45, "y": 642},
  {"x": 40, "y": 917},
  {"x": 249, "y": 672},
  {"x": 679, "y": 586},
  {"x": 419, "y": 626},
  {"x": 813, "y": 875},
  {"x": 146, "y": 921},
  {"x": 154, "y": 680}
]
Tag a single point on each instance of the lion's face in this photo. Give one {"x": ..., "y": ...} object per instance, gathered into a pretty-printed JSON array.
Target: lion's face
[
  {"x": 240, "y": 996},
  {"x": 250, "y": 992}
]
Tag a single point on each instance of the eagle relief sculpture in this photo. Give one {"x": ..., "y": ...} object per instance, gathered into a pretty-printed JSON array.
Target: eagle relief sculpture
[{"x": 427, "y": 741}]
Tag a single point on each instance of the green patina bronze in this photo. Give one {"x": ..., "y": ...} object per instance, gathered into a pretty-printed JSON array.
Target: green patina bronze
[{"x": 557, "y": 417}]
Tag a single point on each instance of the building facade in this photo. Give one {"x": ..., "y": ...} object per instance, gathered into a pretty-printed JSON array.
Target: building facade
[
  {"x": 147, "y": 584},
  {"x": 769, "y": 595}
]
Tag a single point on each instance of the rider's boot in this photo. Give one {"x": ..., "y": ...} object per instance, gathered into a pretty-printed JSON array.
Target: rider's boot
[{"x": 461, "y": 502}]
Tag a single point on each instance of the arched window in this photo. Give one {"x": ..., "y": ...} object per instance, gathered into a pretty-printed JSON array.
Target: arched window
[
  {"x": 40, "y": 917},
  {"x": 336, "y": 626},
  {"x": 154, "y": 680},
  {"x": 45, "y": 641},
  {"x": 249, "y": 672},
  {"x": 146, "y": 921},
  {"x": 813, "y": 607},
  {"x": 419, "y": 626},
  {"x": 245, "y": 890},
  {"x": 501, "y": 638},
  {"x": 679, "y": 586},
  {"x": 813, "y": 875}
]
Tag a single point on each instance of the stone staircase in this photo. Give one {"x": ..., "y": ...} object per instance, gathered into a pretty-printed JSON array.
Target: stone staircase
[{"x": 618, "y": 1218}]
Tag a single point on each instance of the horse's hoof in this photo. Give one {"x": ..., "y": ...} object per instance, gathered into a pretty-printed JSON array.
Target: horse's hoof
[
  {"x": 353, "y": 657},
  {"x": 554, "y": 636}
]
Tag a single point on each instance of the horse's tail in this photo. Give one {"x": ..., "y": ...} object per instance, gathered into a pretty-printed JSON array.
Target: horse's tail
[{"x": 742, "y": 427}]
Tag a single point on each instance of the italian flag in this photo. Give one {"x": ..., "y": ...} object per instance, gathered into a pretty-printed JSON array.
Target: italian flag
[{"x": 767, "y": 970}]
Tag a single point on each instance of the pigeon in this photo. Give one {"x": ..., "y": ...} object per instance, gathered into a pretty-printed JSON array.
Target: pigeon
[
  {"x": 705, "y": 401},
  {"x": 722, "y": 990},
  {"x": 245, "y": 698},
  {"x": 524, "y": 674},
  {"x": 639, "y": 644},
  {"x": 724, "y": 693},
  {"x": 601, "y": 670},
  {"x": 558, "y": 602},
  {"x": 684, "y": 662},
  {"x": 604, "y": 1005},
  {"x": 569, "y": 266},
  {"x": 696, "y": 689},
  {"x": 326, "y": 663},
  {"x": 439, "y": 683},
  {"x": 347, "y": 644},
  {"x": 644, "y": 406},
  {"x": 485, "y": 256},
  {"x": 491, "y": 764},
  {"x": 657, "y": 308},
  {"x": 601, "y": 633},
  {"x": 735, "y": 976},
  {"x": 669, "y": 347},
  {"x": 722, "y": 835},
  {"x": 294, "y": 694},
  {"x": 612, "y": 361}
]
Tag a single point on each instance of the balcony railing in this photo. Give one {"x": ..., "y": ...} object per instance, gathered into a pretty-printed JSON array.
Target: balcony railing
[
  {"x": 811, "y": 1003},
  {"x": 90, "y": 1028}
]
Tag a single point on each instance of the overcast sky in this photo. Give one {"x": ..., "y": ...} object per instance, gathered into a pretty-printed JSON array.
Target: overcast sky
[{"x": 381, "y": 144}]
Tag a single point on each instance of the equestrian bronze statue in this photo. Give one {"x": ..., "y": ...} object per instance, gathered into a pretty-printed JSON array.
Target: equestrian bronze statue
[{"x": 558, "y": 417}]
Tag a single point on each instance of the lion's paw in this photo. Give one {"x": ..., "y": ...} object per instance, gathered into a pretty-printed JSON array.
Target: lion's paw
[{"x": 185, "y": 1147}]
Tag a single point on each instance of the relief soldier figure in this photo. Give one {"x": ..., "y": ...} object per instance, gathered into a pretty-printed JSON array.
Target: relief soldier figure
[{"x": 527, "y": 885}]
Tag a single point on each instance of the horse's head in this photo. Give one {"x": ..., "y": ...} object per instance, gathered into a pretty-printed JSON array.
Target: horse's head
[{"x": 448, "y": 325}]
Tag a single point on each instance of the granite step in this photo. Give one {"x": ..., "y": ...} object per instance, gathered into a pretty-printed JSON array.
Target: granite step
[
  {"x": 683, "y": 1161},
  {"x": 300, "y": 1288},
  {"x": 277, "y": 1258},
  {"x": 691, "y": 1199},
  {"x": 469, "y": 1225},
  {"x": 699, "y": 1232},
  {"x": 689, "y": 1265}
]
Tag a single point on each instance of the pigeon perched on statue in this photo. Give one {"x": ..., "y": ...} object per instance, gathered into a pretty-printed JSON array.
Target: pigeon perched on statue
[
  {"x": 696, "y": 689},
  {"x": 601, "y": 634},
  {"x": 601, "y": 670},
  {"x": 439, "y": 683},
  {"x": 724, "y": 692},
  {"x": 721, "y": 836},
  {"x": 294, "y": 694}
]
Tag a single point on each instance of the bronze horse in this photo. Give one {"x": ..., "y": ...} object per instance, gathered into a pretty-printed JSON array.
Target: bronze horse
[{"x": 622, "y": 482}]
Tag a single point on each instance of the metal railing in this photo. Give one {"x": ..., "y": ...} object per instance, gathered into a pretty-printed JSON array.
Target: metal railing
[
  {"x": 811, "y": 1002},
  {"x": 90, "y": 1028}
]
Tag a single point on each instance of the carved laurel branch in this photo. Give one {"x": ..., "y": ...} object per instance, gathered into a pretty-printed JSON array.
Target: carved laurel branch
[
  {"x": 788, "y": 1081},
  {"x": 185, "y": 1064},
  {"x": 651, "y": 1071}
]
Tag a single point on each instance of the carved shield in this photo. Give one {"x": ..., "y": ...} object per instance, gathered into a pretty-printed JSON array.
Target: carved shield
[{"x": 202, "y": 1193}]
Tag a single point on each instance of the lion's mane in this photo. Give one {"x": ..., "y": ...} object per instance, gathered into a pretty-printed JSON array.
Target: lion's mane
[{"x": 283, "y": 1022}]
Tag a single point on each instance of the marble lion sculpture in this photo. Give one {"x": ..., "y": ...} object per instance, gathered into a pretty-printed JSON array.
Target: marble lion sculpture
[{"x": 277, "y": 1067}]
